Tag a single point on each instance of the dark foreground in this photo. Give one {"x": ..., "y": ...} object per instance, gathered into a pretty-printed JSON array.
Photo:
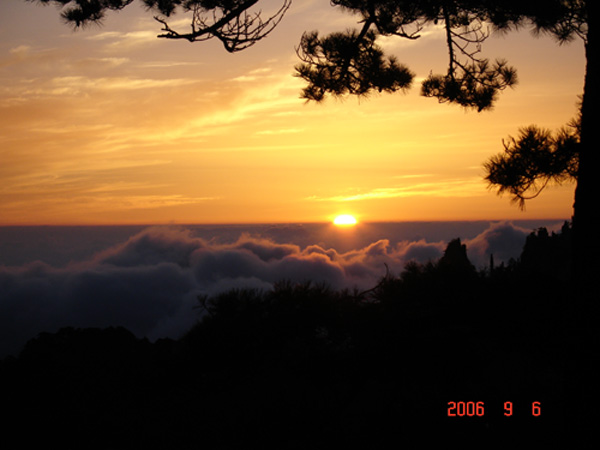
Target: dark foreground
[{"x": 306, "y": 367}]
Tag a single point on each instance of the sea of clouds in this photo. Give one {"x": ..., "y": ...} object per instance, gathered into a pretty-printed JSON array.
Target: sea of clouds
[{"x": 150, "y": 282}]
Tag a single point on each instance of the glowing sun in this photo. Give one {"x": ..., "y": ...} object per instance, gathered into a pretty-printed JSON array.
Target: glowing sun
[{"x": 345, "y": 220}]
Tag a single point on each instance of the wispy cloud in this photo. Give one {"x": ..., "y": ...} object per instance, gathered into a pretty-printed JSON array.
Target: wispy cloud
[
  {"x": 443, "y": 188},
  {"x": 77, "y": 83},
  {"x": 392, "y": 43},
  {"x": 416, "y": 175},
  {"x": 283, "y": 131},
  {"x": 99, "y": 201},
  {"x": 150, "y": 201},
  {"x": 169, "y": 64},
  {"x": 119, "y": 40},
  {"x": 254, "y": 75},
  {"x": 26, "y": 54}
]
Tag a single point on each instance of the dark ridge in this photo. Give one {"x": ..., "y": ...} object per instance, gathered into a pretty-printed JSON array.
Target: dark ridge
[{"x": 305, "y": 366}]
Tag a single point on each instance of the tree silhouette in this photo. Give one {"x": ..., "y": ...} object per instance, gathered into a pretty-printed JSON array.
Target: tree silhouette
[
  {"x": 229, "y": 21},
  {"x": 334, "y": 61},
  {"x": 533, "y": 160},
  {"x": 351, "y": 62}
]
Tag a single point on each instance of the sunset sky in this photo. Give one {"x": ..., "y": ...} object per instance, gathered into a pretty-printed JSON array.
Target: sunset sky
[{"x": 110, "y": 125}]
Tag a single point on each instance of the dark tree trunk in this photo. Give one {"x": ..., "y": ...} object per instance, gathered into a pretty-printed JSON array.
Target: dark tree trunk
[
  {"x": 587, "y": 194},
  {"x": 582, "y": 383}
]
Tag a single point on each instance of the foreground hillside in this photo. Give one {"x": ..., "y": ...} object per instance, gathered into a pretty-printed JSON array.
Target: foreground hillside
[{"x": 304, "y": 366}]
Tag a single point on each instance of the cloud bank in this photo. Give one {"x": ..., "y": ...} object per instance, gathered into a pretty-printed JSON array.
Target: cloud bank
[{"x": 150, "y": 282}]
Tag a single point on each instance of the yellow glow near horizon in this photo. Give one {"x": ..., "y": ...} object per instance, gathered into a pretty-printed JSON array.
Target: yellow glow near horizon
[
  {"x": 111, "y": 125},
  {"x": 345, "y": 220}
]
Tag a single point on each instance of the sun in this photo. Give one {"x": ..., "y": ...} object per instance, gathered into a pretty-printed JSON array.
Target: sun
[{"x": 344, "y": 220}]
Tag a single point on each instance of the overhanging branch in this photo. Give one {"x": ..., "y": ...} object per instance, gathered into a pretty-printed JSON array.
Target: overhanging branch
[{"x": 236, "y": 28}]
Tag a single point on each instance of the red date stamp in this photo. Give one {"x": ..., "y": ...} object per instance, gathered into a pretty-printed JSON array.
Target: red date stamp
[{"x": 477, "y": 409}]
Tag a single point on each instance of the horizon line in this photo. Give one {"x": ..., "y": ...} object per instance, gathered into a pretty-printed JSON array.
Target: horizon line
[{"x": 163, "y": 224}]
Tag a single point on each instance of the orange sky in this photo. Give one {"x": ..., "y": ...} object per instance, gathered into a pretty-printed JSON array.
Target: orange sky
[{"x": 110, "y": 125}]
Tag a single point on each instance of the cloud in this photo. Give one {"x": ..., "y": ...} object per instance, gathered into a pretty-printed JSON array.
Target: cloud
[
  {"x": 37, "y": 298},
  {"x": 76, "y": 84},
  {"x": 121, "y": 40},
  {"x": 504, "y": 240},
  {"x": 26, "y": 54},
  {"x": 154, "y": 245},
  {"x": 282, "y": 131},
  {"x": 149, "y": 283},
  {"x": 445, "y": 188}
]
